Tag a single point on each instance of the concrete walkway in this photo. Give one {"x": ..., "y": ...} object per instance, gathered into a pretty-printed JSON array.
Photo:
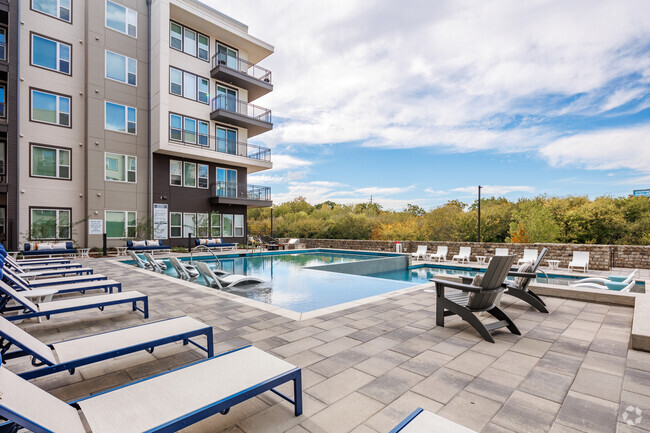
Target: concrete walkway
[{"x": 366, "y": 368}]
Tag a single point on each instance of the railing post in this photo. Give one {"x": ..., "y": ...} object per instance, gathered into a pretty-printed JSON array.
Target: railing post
[
  {"x": 189, "y": 241},
  {"x": 104, "y": 253}
]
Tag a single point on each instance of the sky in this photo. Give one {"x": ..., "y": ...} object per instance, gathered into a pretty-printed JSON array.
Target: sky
[{"x": 420, "y": 101}]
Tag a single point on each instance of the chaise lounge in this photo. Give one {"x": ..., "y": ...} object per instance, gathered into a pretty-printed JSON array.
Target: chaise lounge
[
  {"x": 226, "y": 281},
  {"x": 476, "y": 297},
  {"x": 166, "y": 402}
]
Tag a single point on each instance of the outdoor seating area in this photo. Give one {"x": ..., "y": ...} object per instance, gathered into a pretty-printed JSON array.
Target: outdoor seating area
[
  {"x": 49, "y": 249},
  {"x": 215, "y": 244},
  {"x": 154, "y": 246}
]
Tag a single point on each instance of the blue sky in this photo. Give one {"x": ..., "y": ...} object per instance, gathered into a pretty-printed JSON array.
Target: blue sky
[{"x": 420, "y": 101}]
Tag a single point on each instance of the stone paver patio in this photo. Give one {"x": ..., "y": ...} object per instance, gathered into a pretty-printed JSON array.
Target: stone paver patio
[{"x": 367, "y": 367}]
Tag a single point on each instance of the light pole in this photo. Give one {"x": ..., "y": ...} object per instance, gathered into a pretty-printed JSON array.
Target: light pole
[{"x": 479, "y": 213}]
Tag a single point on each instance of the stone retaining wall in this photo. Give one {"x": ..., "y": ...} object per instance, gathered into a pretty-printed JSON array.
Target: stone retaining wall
[{"x": 601, "y": 257}]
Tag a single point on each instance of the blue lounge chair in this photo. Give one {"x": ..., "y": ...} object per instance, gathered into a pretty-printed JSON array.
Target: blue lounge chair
[
  {"x": 23, "y": 285},
  {"x": 28, "y": 267},
  {"x": 70, "y": 354},
  {"x": 166, "y": 402},
  {"x": 27, "y": 309}
]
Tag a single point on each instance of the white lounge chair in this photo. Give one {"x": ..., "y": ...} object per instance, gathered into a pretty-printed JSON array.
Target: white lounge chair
[
  {"x": 421, "y": 253},
  {"x": 441, "y": 254},
  {"x": 185, "y": 271},
  {"x": 147, "y": 265},
  {"x": 422, "y": 421},
  {"x": 609, "y": 285},
  {"x": 463, "y": 254},
  {"x": 500, "y": 252},
  {"x": 168, "y": 402},
  {"x": 222, "y": 282},
  {"x": 530, "y": 255},
  {"x": 293, "y": 244},
  {"x": 580, "y": 260},
  {"x": 611, "y": 278}
]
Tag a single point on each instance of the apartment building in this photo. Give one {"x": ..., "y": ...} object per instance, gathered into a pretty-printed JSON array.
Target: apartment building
[{"x": 134, "y": 117}]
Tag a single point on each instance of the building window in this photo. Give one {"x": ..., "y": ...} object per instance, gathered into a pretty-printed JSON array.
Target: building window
[
  {"x": 121, "y": 68},
  {"x": 175, "y": 173},
  {"x": 175, "y": 127},
  {"x": 50, "y": 224},
  {"x": 3, "y": 44},
  {"x": 176, "y": 36},
  {"x": 226, "y": 183},
  {"x": 189, "y": 174},
  {"x": 3, "y": 158},
  {"x": 175, "y": 224},
  {"x": 226, "y": 140},
  {"x": 185, "y": 84},
  {"x": 121, "y": 224},
  {"x": 57, "y": 8},
  {"x": 50, "y": 54},
  {"x": 227, "y": 226},
  {"x": 190, "y": 130},
  {"x": 203, "y": 175},
  {"x": 121, "y": 19},
  {"x": 120, "y": 168},
  {"x": 50, "y": 162},
  {"x": 226, "y": 99},
  {"x": 202, "y": 225},
  {"x": 189, "y": 224},
  {"x": 227, "y": 56},
  {"x": 215, "y": 225},
  {"x": 204, "y": 129},
  {"x": 176, "y": 81},
  {"x": 239, "y": 226},
  {"x": 3, "y": 101},
  {"x": 120, "y": 118},
  {"x": 50, "y": 108},
  {"x": 189, "y": 41}
]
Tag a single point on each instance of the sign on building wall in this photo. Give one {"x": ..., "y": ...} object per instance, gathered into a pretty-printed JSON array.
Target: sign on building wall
[
  {"x": 641, "y": 192},
  {"x": 160, "y": 222},
  {"x": 95, "y": 227}
]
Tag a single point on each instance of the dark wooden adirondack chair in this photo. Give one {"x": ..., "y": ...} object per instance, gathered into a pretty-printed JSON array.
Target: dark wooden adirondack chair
[
  {"x": 474, "y": 299},
  {"x": 519, "y": 287}
]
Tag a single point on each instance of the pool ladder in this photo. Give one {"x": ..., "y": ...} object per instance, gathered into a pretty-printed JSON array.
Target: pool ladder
[{"x": 203, "y": 247}]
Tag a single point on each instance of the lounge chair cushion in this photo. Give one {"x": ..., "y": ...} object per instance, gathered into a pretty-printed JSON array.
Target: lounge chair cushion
[
  {"x": 616, "y": 286},
  {"x": 518, "y": 282}
]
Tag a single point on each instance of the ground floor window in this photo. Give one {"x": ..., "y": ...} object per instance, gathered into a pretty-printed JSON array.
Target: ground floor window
[
  {"x": 121, "y": 224},
  {"x": 215, "y": 225},
  {"x": 227, "y": 226},
  {"x": 189, "y": 224},
  {"x": 202, "y": 225},
  {"x": 239, "y": 226},
  {"x": 50, "y": 224},
  {"x": 175, "y": 224}
]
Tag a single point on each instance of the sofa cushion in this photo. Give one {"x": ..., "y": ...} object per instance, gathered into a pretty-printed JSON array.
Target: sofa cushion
[
  {"x": 44, "y": 246},
  {"x": 59, "y": 245},
  {"x": 139, "y": 243},
  {"x": 152, "y": 243}
]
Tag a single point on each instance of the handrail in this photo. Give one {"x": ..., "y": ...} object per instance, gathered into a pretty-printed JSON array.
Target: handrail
[
  {"x": 240, "y": 190},
  {"x": 230, "y": 147},
  {"x": 232, "y": 104},
  {"x": 206, "y": 248},
  {"x": 242, "y": 66}
]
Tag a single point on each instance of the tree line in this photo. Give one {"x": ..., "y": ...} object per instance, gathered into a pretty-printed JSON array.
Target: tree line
[{"x": 604, "y": 220}]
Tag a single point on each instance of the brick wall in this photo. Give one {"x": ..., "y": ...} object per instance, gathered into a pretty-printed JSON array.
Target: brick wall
[{"x": 601, "y": 257}]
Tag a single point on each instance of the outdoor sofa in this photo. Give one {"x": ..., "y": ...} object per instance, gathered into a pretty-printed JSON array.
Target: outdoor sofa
[
  {"x": 153, "y": 246},
  {"x": 215, "y": 244},
  {"x": 48, "y": 249}
]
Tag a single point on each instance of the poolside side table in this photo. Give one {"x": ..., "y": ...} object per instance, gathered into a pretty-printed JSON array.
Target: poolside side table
[
  {"x": 553, "y": 264},
  {"x": 481, "y": 259},
  {"x": 121, "y": 251},
  {"x": 82, "y": 253}
]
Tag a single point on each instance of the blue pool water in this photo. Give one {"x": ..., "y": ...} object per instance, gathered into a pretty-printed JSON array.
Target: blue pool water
[{"x": 290, "y": 284}]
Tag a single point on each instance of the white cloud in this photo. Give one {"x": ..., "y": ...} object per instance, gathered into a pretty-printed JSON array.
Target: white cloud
[
  {"x": 603, "y": 150},
  {"x": 374, "y": 190},
  {"x": 288, "y": 162},
  {"x": 497, "y": 190},
  {"x": 435, "y": 192},
  {"x": 265, "y": 179}
]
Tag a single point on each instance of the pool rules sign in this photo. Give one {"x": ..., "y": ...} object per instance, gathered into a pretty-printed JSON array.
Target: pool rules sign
[{"x": 160, "y": 222}]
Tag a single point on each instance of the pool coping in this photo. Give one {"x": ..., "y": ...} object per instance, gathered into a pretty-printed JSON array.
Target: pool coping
[{"x": 290, "y": 314}]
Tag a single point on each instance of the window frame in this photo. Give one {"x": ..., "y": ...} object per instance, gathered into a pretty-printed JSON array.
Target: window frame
[
  {"x": 235, "y": 226},
  {"x": 199, "y": 217},
  {"x": 188, "y": 163},
  {"x": 196, "y": 80},
  {"x": 126, "y": 118},
  {"x": 58, "y": 11},
  {"x": 127, "y": 160},
  {"x": 127, "y": 59},
  {"x": 212, "y": 225},
  {"x": 172, "y": 226},
  {"x": 57, "y": 227},
  {"x": 232, "y": 225},
  {"x": 170, "y": 172},
  {"x": 58, "y": 53},
  {"x": 127, "y": 15},
  {"x": 126, "y": 223},
  {"x": 199, "y": 177},
  {"x": 182, "y": 39},
  {"x": 58, "y": 110},
  {"x": 4, "y": 30},
  {"x": 228, "y": 47},
  {"x": 200, "y": 126},
  {"x": 3, "y": 103},
  {"x": 186, "y": 232},
  {"x": 58, "y": 165}
]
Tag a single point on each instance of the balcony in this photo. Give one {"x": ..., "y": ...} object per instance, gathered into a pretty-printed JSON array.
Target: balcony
[
  {"x": 240, "y": 193},
  {"x": 220, "y": 145},
  {"x": 229, "y": 110},
  {"x": 243, "y": 74}
]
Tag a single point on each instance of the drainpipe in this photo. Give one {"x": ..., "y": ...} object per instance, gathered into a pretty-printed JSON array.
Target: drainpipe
[{"x": 149, "y": 157}]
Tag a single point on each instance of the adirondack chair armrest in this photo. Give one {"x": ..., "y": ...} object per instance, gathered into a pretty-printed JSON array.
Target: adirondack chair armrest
[
  {"x": 454, "y": 285},
  {"x": 522, "y": 274}
]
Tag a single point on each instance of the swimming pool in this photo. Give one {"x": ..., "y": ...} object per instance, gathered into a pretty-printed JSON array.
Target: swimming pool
[{"x": 291, "y": 283}]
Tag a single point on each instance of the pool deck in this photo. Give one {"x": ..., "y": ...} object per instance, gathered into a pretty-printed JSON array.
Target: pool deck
[{"x": 367, "y": 367}]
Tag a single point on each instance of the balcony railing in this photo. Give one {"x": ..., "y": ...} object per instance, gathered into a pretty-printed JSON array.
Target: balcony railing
[
  {"x": 210, "y": 142},
  {"x": 239, "y": 65},
  {"x": 240, "y": 191},
  {"x": 223, "y": 102}
]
